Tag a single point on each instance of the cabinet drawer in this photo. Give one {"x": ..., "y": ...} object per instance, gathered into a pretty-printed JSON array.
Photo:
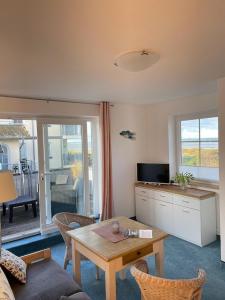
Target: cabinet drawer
[
  {"x": 144, "y": 192},
  {"x": 187, "y": 202},
  {"x": 130, "y": 257},
  {"x": 141, "y": 191},
  {"x": 162, "y": 196}
]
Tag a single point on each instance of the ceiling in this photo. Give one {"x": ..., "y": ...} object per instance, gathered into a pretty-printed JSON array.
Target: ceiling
[{"x": 65, "y": 49}]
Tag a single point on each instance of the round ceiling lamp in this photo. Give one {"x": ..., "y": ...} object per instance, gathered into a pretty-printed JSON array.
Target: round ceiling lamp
[{"x": 136, "y": 60}]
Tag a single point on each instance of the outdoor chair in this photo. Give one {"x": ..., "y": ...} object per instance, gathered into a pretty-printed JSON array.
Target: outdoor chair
[
  {"x": 65, "y": 221},
  {"x": 156, "y": 288}
]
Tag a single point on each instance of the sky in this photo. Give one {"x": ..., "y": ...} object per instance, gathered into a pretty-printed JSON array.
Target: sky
[{"x": 208, "y": 129}]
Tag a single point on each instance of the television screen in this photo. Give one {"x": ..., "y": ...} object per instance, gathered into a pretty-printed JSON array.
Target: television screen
[{"x": 158, "y": 173}]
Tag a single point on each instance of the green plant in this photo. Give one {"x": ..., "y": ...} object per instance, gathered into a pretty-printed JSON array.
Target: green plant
[{"x": 183, "y": 179}]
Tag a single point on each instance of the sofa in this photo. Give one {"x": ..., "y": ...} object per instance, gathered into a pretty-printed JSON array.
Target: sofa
[{"x": 46, "y": 280}]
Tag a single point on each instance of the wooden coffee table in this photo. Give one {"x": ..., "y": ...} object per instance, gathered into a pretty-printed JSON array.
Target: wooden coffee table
[{"x": 114, "y": 257}]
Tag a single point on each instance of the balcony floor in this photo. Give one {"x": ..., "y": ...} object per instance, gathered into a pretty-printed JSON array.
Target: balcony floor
[{"x": 22, "y": 221}]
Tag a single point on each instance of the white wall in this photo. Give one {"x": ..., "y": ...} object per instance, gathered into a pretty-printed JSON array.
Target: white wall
[
  {"x": 126, "y": 153},
  {"x": 24, "y": 107},
  {"x": 160, "y": 114},
  {"x": 161, "y": 128},
  {"x": 222, "y": 164},
  {"x": 149, "y": 122}
]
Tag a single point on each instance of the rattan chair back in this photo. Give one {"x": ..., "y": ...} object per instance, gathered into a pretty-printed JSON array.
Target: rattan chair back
[{"x": 156, "y": 288}]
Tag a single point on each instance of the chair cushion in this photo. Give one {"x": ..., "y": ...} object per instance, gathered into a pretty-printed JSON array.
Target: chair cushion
[
  {"x": 61, "y": 179},
  {"x": 77, "y": 296},
  {"x": 14, "y": 265},
  {"x": 46, "y": 280},
  {"x": 5, "y": 289}
]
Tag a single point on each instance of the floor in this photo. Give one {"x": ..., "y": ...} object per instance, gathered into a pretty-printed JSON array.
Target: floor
[
  {"x": 182, "y": 260},
  {"x": 22, "y": 221}
]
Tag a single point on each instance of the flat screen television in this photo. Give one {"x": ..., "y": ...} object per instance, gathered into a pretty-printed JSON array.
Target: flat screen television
[{"x": 155, "y": 173}]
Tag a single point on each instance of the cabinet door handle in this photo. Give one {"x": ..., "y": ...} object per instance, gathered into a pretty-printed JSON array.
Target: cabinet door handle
[
  {"x": 162, "y": 195},
  {"x": 186, "y": 211},
  {"x": 162, "y": 204},
  {"x": 143, "y": 199},
  {"x": 185, "y": 201}
]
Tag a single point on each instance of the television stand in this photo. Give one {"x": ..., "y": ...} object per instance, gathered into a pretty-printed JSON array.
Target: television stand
[{"x": 154, "y": 183}]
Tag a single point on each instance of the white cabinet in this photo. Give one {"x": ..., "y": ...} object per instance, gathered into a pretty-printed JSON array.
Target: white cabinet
[
  {"x": 162, "y": 196},
  {"x": 187, "y": 201},
  {"x": 144, "y": 211},
  {"x": 187, "y": 224},
  {"x": 189, "y": 218},
  {"x": 163, "y": 216}
]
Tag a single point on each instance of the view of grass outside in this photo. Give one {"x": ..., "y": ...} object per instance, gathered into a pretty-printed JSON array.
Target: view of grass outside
[
  {"x": 199, "y": 142},
  {"x": 205, "y": 157}
]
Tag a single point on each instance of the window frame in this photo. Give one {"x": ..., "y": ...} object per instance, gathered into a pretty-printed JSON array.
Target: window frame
[{"x": 178, "y": 148}]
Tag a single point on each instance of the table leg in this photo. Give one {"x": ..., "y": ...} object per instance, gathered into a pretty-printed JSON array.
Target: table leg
[
  {"x": 3, "y": 209},
  {"x": 110, "y": 283},
  {"x": 76, "y": 263},
  {"x": 34, "y": 208},
  {"x": 10, "y": 213},
  {"x": 159, "y": 259}
]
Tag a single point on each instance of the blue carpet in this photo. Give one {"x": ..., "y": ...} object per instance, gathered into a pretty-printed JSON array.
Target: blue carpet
[{"x": 182, "y": 260}]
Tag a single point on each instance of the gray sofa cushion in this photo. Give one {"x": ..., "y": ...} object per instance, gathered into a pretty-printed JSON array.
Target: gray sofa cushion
[
  {"x": 46, "y": 280},
  {"x": 77, "y": 296}
]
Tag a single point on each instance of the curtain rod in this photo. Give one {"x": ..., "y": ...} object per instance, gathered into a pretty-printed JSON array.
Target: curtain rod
[{"x": 50, "y": 99}]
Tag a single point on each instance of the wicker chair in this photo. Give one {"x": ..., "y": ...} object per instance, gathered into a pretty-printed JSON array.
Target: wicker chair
[
  {"x": 156, "y": 288},
  {"x": 62, "y": 221}
]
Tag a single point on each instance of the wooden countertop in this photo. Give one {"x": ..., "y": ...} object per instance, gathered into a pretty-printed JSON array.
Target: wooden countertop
[{"x": 189, "y": 192}]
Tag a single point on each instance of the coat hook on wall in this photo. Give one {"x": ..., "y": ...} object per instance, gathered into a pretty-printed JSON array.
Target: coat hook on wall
[{"x": 128, "y": 134}]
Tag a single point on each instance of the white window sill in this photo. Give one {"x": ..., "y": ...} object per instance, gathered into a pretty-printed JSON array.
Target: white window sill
[{"x": 205, "y": 184}]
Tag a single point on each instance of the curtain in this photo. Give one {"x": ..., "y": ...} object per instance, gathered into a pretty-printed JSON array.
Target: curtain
[{"x": 106, "y": 161}]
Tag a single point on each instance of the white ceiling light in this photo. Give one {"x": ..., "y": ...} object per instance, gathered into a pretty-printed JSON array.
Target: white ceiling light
[{"x": 136, "y": 60}]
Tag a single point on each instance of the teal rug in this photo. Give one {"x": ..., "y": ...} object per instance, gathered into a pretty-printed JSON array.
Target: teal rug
[{"x": 182, "y": 260}]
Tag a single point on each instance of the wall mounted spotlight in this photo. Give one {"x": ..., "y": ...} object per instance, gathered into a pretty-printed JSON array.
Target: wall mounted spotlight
[{"x": 128, "y": 134}]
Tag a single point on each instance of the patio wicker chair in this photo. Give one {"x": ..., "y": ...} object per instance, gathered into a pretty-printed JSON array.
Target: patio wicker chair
[
  {"x": 63, "y": 221},
  {"x": 156, "y": 288}
]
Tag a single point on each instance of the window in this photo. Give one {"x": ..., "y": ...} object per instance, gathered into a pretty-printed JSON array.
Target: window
[
  {"x": 198, "y": 147},
  {"x": 23, "y": 151},
  {"x": 71, "y": 130},
  {"x": 4, "y": 159}
]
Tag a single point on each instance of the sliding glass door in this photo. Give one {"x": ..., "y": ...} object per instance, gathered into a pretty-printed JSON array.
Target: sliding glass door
[
  {"x": 68, "y": 168},
  {"x": 18, "y": 154}
]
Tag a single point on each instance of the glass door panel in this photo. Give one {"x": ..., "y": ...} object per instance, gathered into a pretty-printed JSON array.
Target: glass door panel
[
  {"x": 18, "y": 154},
  {"x": 64, "y": 190},
  {"x": 68, "y": 168}
]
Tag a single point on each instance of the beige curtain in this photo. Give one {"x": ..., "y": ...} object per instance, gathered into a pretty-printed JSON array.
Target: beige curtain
[{"x": 106, "y": 161}]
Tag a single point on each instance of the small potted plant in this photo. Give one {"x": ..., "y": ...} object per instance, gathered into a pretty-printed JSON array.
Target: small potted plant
[{"x": 183, "y": 179}]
